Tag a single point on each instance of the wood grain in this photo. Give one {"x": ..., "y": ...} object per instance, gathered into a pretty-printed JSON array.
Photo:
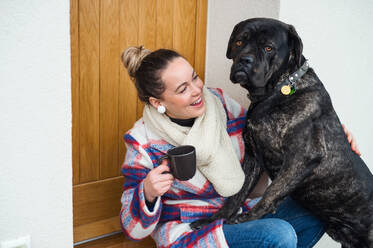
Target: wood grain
[
  {"x": 119, "y": 241},
  {"x": 165, "y": 24},
  {"x": 184, "y": 28},
  {"x": 89, "y": 89},
  {"x": 200, "y": 40},
  {"x": 97, "y": 200},
  {"x": 129, "y": 25},
  {"x": 109, "y": 88},
  {"x": 97, "y": 228},
  {"x": 74, "y": 43},
  {"x": 147, "y": 33},
  {"x": 104, "y": 99}
]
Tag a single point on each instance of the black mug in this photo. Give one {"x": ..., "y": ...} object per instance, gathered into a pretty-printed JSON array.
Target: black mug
[{"x": 182, "y": 160}]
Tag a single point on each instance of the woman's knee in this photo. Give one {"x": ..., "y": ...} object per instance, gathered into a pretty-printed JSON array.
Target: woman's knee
[
  {"x": 283, "y": 234},
  {"x": 270, "y": 232}
]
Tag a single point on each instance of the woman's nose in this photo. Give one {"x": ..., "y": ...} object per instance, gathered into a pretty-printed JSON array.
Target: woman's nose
[{"x": 196, "y": 89}]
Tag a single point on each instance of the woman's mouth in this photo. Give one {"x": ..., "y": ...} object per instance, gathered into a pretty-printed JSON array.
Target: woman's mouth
[{"x": 197, "y": 103}]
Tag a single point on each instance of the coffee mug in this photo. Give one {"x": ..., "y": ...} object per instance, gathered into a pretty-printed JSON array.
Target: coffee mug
[{"x": 182, "y": 160}]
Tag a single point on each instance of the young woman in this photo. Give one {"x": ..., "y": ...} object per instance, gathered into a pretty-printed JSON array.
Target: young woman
[{"x": 179, "y": 110}]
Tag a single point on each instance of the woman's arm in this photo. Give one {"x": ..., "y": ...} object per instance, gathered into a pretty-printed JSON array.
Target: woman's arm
[{"x": 137, "y": 220}]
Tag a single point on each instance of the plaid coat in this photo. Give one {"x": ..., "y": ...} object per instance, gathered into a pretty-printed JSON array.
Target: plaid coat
[{"x": 186, "y": 201}]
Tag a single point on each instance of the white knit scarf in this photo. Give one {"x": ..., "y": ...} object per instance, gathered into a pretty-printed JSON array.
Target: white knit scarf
[{"x": 216, "y": 158}]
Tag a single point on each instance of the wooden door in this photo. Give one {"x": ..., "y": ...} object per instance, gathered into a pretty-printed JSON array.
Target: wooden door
[{"x": 104, "y": 100}]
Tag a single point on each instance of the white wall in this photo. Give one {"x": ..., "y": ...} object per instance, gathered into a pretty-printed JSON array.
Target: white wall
[
  {"x": 222, "y": 17},
  {"x": 337, "y": 37},
  {"x": 35, "y": 122}
]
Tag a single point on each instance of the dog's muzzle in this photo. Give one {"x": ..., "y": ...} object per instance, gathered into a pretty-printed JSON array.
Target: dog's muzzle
[
  {"x": 241, "y": 69},
  {"x": 239, "y": 77}
]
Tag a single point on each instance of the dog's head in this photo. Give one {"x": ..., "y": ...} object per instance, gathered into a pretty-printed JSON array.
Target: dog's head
[{"x": 262, "y": 50}]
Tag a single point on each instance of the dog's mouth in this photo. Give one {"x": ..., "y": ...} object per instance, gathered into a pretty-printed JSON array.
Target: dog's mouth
[{"x": 240, "y": 77}]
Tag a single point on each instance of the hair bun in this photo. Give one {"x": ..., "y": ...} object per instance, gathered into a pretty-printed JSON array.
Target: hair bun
[{"x": 132, "y": 58}]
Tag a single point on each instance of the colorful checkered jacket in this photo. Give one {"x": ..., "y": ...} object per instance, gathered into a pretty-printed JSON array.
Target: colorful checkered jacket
[{"x": 186, "y": 201}]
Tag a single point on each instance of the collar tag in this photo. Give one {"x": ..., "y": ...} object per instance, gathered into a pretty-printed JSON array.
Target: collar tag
[
  {"x": 287, "y": 90},
  {"x": 288, "y": 85}
]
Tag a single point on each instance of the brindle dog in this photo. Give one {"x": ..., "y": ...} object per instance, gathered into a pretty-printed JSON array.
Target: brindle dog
[{"x": 296, "y": 137}]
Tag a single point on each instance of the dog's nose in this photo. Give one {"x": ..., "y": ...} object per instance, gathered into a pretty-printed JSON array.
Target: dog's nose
[{"x": 247, "y": 59}]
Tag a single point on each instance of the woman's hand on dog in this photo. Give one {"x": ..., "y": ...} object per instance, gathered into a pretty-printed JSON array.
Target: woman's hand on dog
[{"x": 351, "y": 140}]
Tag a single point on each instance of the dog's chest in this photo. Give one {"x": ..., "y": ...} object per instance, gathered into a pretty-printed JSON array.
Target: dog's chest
[
  {"x": 264, "y": 136},
  {"x": 266, "y": 131}
]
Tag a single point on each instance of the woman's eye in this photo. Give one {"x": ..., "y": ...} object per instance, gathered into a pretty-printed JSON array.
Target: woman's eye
[
  {"x": 268, "y": 49},
  {"x": 195, "y": 77},
  {"x": 239, "y": 43},
  {"x": 183, "y": 90}
]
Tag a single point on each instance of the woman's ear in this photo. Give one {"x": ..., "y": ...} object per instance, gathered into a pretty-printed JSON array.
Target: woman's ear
[{"x": 154, "y": 102}]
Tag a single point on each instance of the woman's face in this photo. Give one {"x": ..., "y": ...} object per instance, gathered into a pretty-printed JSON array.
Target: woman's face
[{"x": 183, "y": 96}]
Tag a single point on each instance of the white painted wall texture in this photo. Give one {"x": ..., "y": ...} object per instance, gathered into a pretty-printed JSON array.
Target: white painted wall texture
[
  {"x": 222, "y": 17},
  {"x": 336, "y": 36},
  {"x": 35, "y": 122}
]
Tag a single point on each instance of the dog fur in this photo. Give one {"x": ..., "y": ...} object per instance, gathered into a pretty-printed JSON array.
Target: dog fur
[{"x": 297, "y": 139}]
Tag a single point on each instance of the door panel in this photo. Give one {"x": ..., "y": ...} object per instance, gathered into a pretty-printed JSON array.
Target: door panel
[
  {"x": 104, "y": 100},
  {"x": 109, "y": 91},
  {"x": 89, "y": 90}
]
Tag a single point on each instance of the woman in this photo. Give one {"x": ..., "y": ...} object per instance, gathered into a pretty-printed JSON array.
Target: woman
[{"x": 180, "y": 110}]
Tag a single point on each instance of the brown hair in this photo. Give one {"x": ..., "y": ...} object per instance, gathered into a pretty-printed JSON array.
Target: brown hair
[{"x": 145, "y": 67}]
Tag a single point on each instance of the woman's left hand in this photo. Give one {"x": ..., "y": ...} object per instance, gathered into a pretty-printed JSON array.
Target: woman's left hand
[{"x": 351, "y": 140}]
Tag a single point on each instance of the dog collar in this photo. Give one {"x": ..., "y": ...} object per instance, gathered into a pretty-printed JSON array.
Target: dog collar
[{"x": 287, "y": 86}]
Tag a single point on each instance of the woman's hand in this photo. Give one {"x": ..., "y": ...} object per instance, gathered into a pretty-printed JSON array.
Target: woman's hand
[
  {"x": 156, "y": 183},
  {"x": 351, "y": 140}
]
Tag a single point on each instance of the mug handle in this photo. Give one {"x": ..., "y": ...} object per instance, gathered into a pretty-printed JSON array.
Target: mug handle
[{"x": 160, "y": 160}]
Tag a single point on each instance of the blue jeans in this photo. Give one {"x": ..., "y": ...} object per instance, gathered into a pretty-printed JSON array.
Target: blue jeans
[{"x": 291, "y": 226}]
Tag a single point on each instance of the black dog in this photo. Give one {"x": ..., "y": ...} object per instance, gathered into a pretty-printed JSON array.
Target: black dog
[{"x": 293, "y": 133}]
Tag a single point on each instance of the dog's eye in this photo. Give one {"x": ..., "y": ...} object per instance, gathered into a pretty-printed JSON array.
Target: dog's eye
[
  {"x": 268, "y": 49},
  {"x": 239, "y": 43}
]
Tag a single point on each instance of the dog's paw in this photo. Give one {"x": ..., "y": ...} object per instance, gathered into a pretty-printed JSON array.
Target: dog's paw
[
  {"x": 198, "y": 224},
  {"x": 231, "y": 221},
  {"x": 240, "y": 218}
]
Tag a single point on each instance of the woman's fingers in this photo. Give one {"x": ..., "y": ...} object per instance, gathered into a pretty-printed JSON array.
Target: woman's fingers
[
  {"x": 355, "y": 148},
  {"x": 163, "y": 187},
  {"x": 162, "y": 168},
  {"x": 351, "y": 140},
  {"x": 158, "y": 181}
]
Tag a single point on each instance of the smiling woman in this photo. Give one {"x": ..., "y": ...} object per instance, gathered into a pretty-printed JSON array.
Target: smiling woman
[
  {"x": 165, "y": 80},
  {"x": 182, "y": 97},
  {"x": 178, "y": 110}
]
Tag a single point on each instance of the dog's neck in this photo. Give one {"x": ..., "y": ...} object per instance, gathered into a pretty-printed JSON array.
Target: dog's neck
[{"x": 286, "y": 69}]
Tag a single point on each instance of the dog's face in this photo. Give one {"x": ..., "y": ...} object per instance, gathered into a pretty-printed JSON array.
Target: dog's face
[{"x": 260, "y": 49}]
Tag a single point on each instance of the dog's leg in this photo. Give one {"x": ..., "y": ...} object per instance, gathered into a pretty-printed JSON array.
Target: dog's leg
[
  {"x": 310, "y": 149},
  {"x": 370, "y": 235},
  {"x": 253, "y": 171}
]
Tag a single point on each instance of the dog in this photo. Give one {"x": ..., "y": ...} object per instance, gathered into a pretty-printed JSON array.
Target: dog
[{"x": 294, "y": 135}]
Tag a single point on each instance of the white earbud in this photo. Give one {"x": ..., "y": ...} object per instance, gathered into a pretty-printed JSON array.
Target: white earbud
[{"x": 161, "y": 109}]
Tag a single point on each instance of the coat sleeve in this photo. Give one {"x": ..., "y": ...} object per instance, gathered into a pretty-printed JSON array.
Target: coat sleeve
[
  {"x": 234, "y": 109},
  {"x": 137, "y": 220}
]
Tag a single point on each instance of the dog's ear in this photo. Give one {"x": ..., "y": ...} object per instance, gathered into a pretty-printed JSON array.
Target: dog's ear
[
  {"x": 296, "y": 44},
  {"x": 231, "y": 39}
]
